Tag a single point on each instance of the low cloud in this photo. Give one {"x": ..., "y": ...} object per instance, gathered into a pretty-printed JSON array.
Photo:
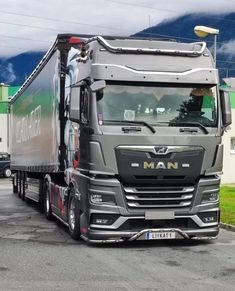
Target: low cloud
[
  {"x": 227, "y": 48},
  {"x": 7, "y": 73}
]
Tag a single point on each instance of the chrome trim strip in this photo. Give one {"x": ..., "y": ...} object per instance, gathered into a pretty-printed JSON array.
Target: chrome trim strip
[
  {"x": 101, "y": 191},
  {"x": 209, "y": 203},
  {"x": 209, "y": 210},
  {"x": 211, "y": 190},
  {"x": 200, "y": 231},
  {"x": 213, "y": 174},
  {"x": 136, "y": 205},
  {"x": 102, "y": 241},
  {"x": 184, "y": 190},
  {"x": 209, "y": 180},
  {"x": 100, "y": 173},
  {"x": 150, "y": 73},
  {"x": 151, "y": 149},
  {"x": 204, "y": 237},
  {"x": 133, "y": 198}
]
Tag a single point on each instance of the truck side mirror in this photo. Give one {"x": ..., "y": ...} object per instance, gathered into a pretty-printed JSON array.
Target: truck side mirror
[
  {"x": 98, "y": 86},
  {"x": 226, "y": 108},
  {"x": 74, "y": 105}
]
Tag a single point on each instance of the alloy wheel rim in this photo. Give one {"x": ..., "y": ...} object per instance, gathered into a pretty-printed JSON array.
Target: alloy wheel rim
[{"x": 8, "y": 173}]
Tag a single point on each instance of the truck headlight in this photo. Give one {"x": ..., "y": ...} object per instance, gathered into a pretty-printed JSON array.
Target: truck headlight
[
  {"x": 210, "y": 197},
  {"x": 97, "y": 198}
]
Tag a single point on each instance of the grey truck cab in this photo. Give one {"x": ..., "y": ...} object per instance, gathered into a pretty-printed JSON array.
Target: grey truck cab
[
  {"x": 152, "y": 150},
  {"x": 139, "y": 149}
]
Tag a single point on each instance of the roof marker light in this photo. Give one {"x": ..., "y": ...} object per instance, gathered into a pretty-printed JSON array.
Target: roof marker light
[{"x": 75, "y": 40}]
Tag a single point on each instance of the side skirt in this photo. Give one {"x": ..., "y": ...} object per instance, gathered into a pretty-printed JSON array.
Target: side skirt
[{"x": 60, "y": 219}]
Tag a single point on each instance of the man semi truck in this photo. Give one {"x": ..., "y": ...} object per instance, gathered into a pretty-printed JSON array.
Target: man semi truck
[{"x": 120, "y": 138}]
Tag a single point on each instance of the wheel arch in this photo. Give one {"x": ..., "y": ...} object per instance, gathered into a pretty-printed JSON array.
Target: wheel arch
[{"x": 78, "y": 195}]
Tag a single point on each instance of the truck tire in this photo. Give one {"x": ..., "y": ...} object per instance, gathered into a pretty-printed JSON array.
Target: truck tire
[
  {"x": 7, "y": 173},
  {"x": 15, "y": 184},
  {"x": 23, "y": 177},
  {"x": 19, "y": 184},
  {"x": 73, "y": 216},
  {"x": 47, "y": 201}
]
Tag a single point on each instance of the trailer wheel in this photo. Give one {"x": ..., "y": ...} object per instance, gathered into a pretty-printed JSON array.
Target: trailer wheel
[
  {"x": 23, "y": 178},
  {"x": 19, "y": 181},
  {"x": 73, "y": 216},
  {"x": 47, "y": 201}
]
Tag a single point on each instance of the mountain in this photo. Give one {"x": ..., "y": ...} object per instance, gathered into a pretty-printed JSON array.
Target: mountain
[{"x": 13, "y": 71}]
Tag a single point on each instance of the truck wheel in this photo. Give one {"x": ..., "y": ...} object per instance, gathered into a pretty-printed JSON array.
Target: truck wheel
[
  {"x": 23, "y": 177},
  {"x": 14, "y": 183},
  {"x": 73, "y": 216},
  {"x": 7, "y": 173},
  {"x": 47, "y": 202},
  {"x": 19, "y": 184}
]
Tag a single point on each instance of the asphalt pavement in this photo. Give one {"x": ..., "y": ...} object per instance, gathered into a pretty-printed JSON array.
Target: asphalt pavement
[{"x": 39, "y": 255}]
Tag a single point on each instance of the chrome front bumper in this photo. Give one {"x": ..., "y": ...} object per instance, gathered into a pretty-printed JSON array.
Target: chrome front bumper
[{"x": 116, "y": 237}]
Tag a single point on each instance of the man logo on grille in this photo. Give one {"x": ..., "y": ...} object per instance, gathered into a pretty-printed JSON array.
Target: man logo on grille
[
  {"x": 161, "y": 150},
  {"x": 161, "y": 165}
]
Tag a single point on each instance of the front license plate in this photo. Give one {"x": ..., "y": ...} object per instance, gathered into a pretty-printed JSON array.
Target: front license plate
[{"x": 160, "y": 235}]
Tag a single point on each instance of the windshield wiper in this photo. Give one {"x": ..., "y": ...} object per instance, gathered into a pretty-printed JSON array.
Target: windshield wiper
[
  {"x": 192, "y": 123},
  {"x": 133, "y": 122}
]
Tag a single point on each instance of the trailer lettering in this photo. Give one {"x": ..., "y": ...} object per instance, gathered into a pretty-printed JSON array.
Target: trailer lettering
[{"x": 29, "y": 127}]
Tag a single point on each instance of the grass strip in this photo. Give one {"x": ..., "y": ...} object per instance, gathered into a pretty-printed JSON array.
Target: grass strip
[{"x": 227, "y": 204}]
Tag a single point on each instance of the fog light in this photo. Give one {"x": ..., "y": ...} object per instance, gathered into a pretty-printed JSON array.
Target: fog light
[
  {"x": 210, "y": 197},
  {"x": 103, "y": 219},
  {"x": 209, "y": 217},
  {"x": 97, "y": 198}
]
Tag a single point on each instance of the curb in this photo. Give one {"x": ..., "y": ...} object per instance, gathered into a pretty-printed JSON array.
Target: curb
[{"x": 227, "y": 226}]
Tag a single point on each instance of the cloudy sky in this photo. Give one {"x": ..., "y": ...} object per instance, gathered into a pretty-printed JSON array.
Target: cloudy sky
[{"x": 32, "y": 25}]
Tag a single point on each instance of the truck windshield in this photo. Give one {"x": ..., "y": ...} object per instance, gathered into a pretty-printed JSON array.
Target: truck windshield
[{"x": 158, "y": 105}]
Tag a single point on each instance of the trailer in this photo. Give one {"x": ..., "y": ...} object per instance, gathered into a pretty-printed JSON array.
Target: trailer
[{"x": 120, "y": 138}]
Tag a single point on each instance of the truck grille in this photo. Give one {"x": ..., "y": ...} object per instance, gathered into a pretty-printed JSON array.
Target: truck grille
[{"x": 158, "y": 197}]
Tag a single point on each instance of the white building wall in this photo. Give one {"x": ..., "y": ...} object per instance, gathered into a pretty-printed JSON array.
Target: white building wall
[
  {"x": 3, "y": 133},
  {"x": 228, "y": 176}
]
